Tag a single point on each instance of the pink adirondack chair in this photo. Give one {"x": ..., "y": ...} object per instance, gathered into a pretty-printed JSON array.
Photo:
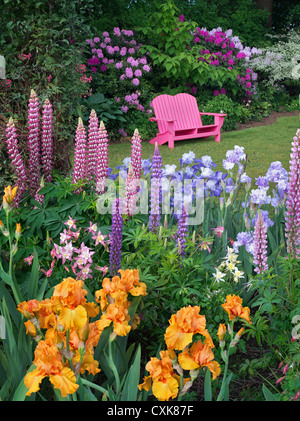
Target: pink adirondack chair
[{"x": 178, "y": 118}]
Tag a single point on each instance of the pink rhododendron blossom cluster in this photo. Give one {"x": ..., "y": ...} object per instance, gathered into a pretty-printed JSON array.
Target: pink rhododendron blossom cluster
[
  {"x": 117, "y": 55},
  {"x": 221, "y": 48}
]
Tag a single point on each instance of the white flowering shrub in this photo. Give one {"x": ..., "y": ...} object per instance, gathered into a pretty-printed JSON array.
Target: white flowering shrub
[{"x": 281, "y": 62}]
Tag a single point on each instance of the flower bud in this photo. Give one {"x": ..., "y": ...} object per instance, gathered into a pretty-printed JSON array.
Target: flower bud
[
  {"x": 179, "y": 246},
  {"x": 166, "y": 221},
  {"x": 30, "y": 329},
  {"x": 18, "y": 231},
  {"x": 221, "y": 331},
  {"x": 194, "y": 237}
]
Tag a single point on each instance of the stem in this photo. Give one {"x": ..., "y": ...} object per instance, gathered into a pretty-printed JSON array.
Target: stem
[
  {"x": 221, "y": 393},
  {"x": 226, "y": 360},
  {"x": 113, "y": 367},
  {"x": 10, "y": 268}
]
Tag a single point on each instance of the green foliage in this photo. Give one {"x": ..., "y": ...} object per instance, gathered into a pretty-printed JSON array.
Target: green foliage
[
  {"x": 168, "y": 39},
  {"x": 106, "y": 110},
  {"x": 229, "y": 14},
  {"x": 41, "y": 44},
  {"x": 236, "y": 113}
]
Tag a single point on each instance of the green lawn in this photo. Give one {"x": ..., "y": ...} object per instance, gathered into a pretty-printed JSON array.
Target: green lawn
[{"x": 263, "y": 145}]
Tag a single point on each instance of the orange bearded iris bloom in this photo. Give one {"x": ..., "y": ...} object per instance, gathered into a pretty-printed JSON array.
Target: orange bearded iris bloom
[
  {"x": 183, "y": 325},
  {"x": 163, "y": 380},
  {"x": 29, "y": 308},
  {"x": 118, "y": 315},
  {"x": 233, "y": 306},
  {"x": 200, "y": 355},
  {"x": 70, "y": 303},
  {"x": 70, "y": 293},
  {"x": 128, "y": 283},
  {"x": 48, "y": 362}
]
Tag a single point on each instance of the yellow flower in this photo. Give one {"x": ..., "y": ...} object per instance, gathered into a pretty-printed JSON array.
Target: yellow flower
[
  {"x": 200, "y": 355},
  {"x": 73, "y": 318},
  {"x": 233, "y": 306}
]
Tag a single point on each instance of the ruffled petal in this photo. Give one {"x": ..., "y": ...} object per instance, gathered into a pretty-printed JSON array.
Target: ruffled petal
[
  {"x": 32, "y": 381},
  {"x": 65, "y": 381}
]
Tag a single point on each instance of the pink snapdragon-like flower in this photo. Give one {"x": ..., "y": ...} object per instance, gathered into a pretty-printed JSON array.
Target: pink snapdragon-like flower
[
  {"x": 92, "y": 228},
  {"x": 48, "y": 273},
  {"x": 99, "y": 238},
  {"x": 103, "y": 269},
  {"x": 29, "y": 259},
  {"x": 24, "y": 56},
  {"x": 218, "y": 231}
]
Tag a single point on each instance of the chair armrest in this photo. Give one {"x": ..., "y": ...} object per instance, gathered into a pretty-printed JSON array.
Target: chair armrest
[
  {"x": 219, "y": 114},
  {"x": 161, "y": 119}
]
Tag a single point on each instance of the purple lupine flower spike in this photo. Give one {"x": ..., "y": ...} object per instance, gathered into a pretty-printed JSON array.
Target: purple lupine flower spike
[
  {"x": 102, "y": 159},
  {"x": 115, "y": 248},
  {"x": 79, "y": 170},
  {"x": 260, "y": 244},
  {"x": 182, "y": 231},
  {"x": 292, "y": 215},
  {"x": 16, "y": 160},
  {"x": 33, "y": 143},
  {"x": 93, "y": 145},
  {"x": 155, "y": 195},
  {"x": 136, "y": 154},
  {"x": 47, "y": 141}
]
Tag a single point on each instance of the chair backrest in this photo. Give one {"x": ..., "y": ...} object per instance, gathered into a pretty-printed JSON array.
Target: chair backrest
[{"x": 182, "y": 107}]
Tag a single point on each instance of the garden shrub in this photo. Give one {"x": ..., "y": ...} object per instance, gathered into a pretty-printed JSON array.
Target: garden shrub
[
  {"x": 43, "y": 51},
  {"x": 236, "y": 113},
  {"x": 279, "y": 63},
  {"x": 228, "y": 14},
  {"x": 119, "y": 71}
]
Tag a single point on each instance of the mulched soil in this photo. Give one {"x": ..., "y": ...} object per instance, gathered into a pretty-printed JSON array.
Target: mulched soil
[{"x": 267, "y": 120}]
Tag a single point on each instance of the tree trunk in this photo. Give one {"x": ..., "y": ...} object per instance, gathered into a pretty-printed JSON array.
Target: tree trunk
[{"x": 266, "y": 5}]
